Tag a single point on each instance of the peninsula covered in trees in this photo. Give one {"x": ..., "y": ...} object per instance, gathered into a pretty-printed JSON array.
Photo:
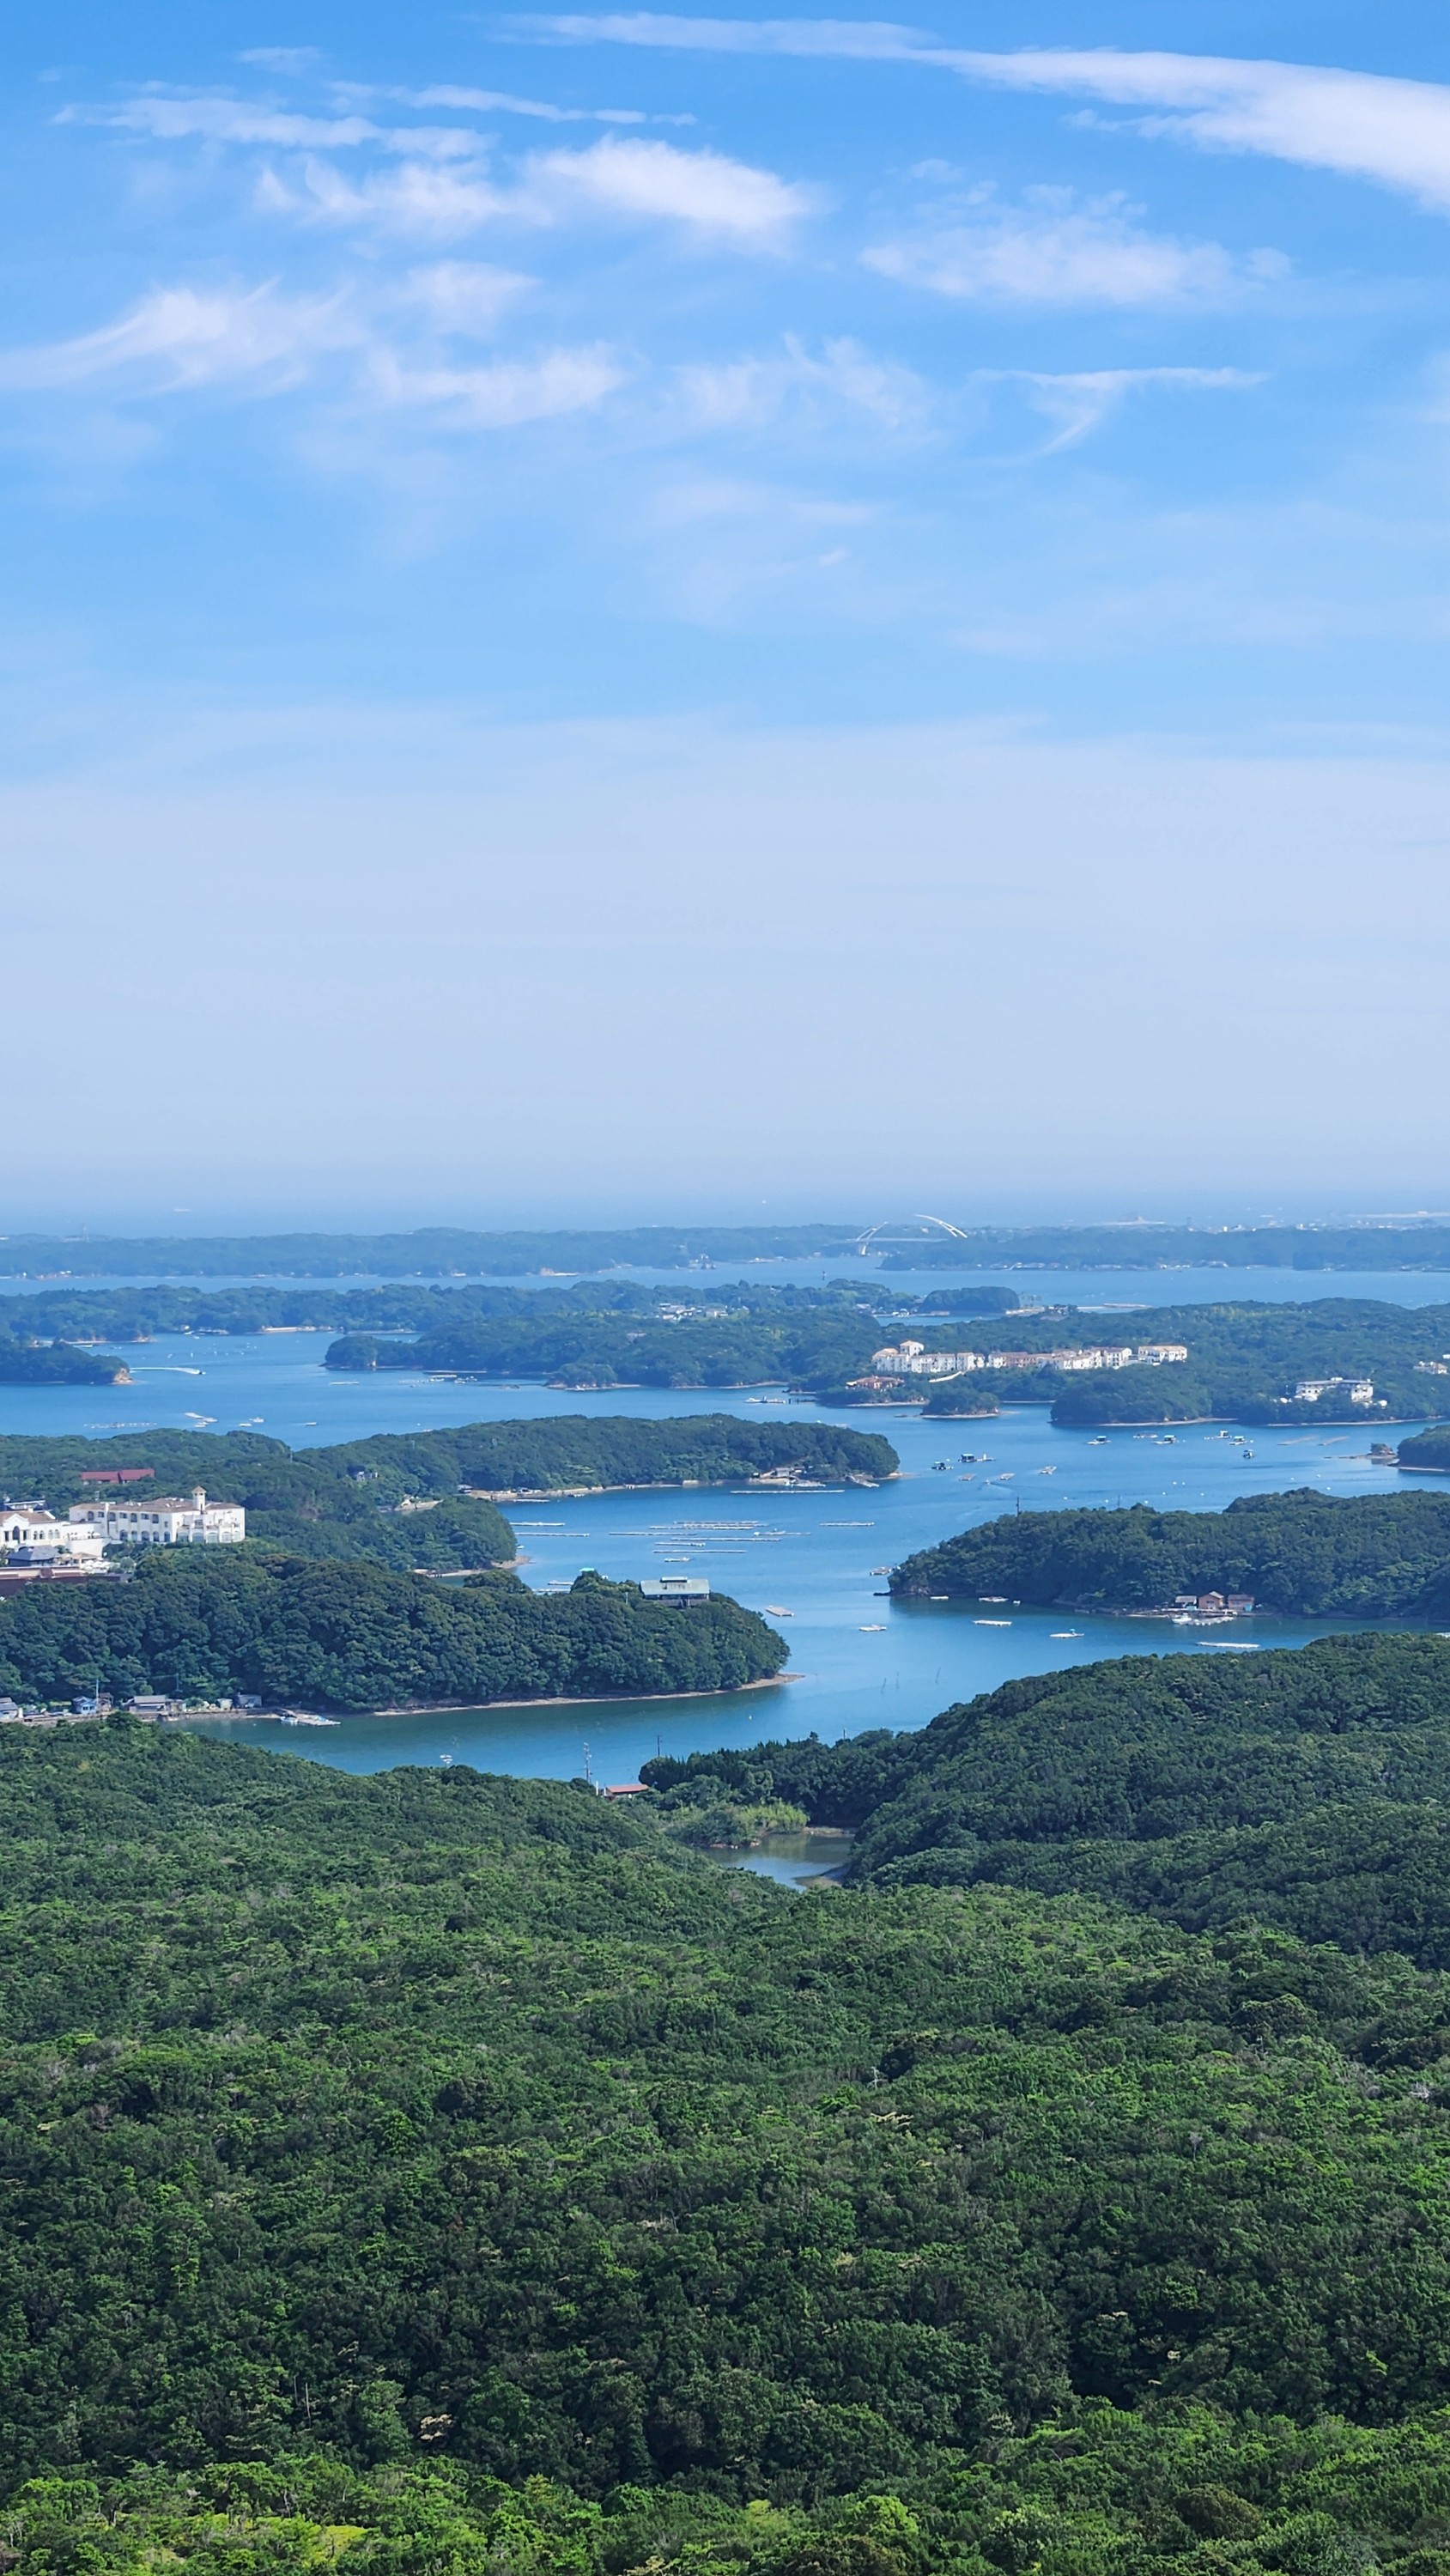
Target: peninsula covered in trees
[
  {"x": 1305, "y": 1554},
  {"x": 420, "y": 1499},
  {"x": 204, "y": 1624},
  {"x": 25, "y": 1360},
  {"x": 1305, "y": 1789}
]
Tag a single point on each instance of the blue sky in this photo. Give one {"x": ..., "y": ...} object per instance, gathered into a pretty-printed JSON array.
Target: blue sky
[{"x": 874, "y": 593}]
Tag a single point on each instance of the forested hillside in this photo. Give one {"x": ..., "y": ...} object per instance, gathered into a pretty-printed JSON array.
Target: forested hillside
[
  {"x": 435, "y": 2113},
  {"x": 208, "y": 1623},
  {"x": 1305, "y": 1789},
  {"x": 1182, "y": 2489},
  {"x": 1312, "y": 1555}
]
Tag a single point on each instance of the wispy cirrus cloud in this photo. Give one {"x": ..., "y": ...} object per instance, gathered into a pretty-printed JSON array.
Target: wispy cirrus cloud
[
  {"x": 423, "y": 201},
  {"x": 630, "y": 179},
  {"x": 259, "y": 341},
  {"x": 1050, "y": 251},
  {"x": 183, "y": 336},
  {"x": 1079, "y": 400},
  {"x": 752, "y": 392},
  {"x": 497, "y": 102},
  {"x": 506, "y": 394},
  {"x": 1364, "y": 125}
]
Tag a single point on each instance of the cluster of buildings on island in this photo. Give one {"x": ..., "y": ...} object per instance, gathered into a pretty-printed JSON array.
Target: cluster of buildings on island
[
  {"x": 36, "y": 1543},
  {"x": 912, "y": 1359}
]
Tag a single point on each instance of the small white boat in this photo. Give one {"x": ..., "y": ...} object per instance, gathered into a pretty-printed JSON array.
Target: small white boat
[
  {"x": 773, "y": 1610},
  {"x": 991, "y": 1623},
  {"x": 871, "y": 1628},
  {"x": 1060, "y": 1633}
]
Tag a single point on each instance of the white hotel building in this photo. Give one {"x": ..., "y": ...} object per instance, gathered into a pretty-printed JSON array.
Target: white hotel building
[
  {"x": 163, "y": 1520},
  {"x": 909, "y": 1359}
]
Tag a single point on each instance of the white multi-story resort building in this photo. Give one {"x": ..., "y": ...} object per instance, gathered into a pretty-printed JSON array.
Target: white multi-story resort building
[
  {"x": 910, "y": 1359},
  {"x": 38, "y": 1538},
  {"x": 164, "y": 1520}
]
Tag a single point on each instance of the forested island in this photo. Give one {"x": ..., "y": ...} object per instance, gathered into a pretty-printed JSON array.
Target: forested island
[
  {"x": 1427, "y": 1453},
  {"x": 1245, "y": 1362},
  {"x": 419, "y": 1499},
  {"x": 28, "y": 1361},
  {"x": 372, "y": 2141},
  {"x": 1306, "y": 1790},
  {"x": 1304, "y": 1554},
  {"x": 802, "y": 1349},
  {"x": 215, "y": 1623}
]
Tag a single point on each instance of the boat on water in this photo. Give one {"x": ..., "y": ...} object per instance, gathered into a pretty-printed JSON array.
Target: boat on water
[
  {"x": 991, "y": 1623},
  {"x": 871, "y": 1628},
  {"x": 773, "y": 1610}
]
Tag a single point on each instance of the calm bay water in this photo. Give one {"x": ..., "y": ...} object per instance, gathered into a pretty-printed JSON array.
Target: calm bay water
[{"x": 857, "y": 1659}]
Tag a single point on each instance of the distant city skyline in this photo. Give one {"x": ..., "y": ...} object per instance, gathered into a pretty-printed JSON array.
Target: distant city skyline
[{"x": 804, "y": 612}]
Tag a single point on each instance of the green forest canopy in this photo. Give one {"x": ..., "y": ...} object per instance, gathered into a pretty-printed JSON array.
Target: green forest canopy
[
  {"x": 211, "y": 1623},
  {"x": 1099, "y": 2492},
  {"x": 432, "y": 2112},
  {"x": 1244, "y": 1361},
  {"x": 1306, "y": 1789},
  {"x": 349, "y": 1500},
  {"x": 1303, "y": 1553}
]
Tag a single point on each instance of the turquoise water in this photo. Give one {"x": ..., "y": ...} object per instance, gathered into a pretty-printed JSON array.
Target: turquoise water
[{"x": 857, "y": 1659}]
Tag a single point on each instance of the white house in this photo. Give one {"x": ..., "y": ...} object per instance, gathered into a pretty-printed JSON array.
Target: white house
[
  {"x": 908, "y": 1359},
  {"x": 41, "y": 1537},
  {"x": 1359, "y": 1390},
  {"x": 164, "y": 1520}
]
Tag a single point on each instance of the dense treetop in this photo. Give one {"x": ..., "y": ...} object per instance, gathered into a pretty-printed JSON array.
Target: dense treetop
[
  {"x": 1310, "y": 1555},
  {"x": 432, "y": 2112},
  {"x": 1102, "y": 2491}
]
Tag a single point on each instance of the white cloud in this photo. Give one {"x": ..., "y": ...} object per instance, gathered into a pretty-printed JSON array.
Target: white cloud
[
  {"x": 865, "y": 40},
  {"x": 283, "y": 58},
  {"x": 506, "y": 395},
  {"x": 417, "y": 200},
  {"x": 1079, "y": 401},
  {"x": 1363, "y": 125},
  {"x": 1047, "y": 252},
  {"x": 751, "y": 207},
  {"x": 462, "y": 299},
  {"x": 178, "y": 340},
  {"x": 181, "y": 337},
  {"x": 176, "y": 119},
  {"x": 1360, "y": 124},
  {"x": 492, "y": 102},
  {"x": 749, "y": 393}
]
